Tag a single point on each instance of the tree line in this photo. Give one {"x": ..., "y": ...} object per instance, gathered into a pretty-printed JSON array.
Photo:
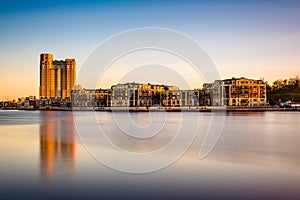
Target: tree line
[
  {"x": 280, "y": 84},
  {"x": 283, "y": 90}
]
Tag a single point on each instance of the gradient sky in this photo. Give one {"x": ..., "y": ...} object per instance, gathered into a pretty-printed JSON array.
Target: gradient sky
[{"x": 244, "y": 38}]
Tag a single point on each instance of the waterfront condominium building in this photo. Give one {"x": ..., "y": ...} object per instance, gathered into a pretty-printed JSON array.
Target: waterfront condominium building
[
  {"x": 57, "y": 77},
  {"x": 238, "y": 92},
  {"x": 138, "y": 95}
]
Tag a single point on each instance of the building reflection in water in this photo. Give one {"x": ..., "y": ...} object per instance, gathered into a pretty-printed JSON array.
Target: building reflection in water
[{"x": 57, "y": 144}]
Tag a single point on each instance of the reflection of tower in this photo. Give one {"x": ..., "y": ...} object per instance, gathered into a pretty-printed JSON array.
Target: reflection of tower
[
  {"x": 57, "y": 77},
  {"x": 57, "y": 144}
]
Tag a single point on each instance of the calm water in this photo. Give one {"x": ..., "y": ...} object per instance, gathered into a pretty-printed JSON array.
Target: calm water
[{"x": 257, "y": 156}]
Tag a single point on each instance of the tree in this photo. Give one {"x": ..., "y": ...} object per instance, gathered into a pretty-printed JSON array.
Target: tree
[
  {"x": 285, "y": 82},
  {"x": 278, "y": 84},
  {"x": 268, "y": 86},
  {"x": 297, "y": 81}
]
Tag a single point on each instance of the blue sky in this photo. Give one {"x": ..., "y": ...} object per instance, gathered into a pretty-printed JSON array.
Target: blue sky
[{"x": 244, "y": 38}]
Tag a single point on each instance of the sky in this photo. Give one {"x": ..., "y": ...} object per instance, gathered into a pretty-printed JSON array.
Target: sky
[{"x": 254, "y": 39}]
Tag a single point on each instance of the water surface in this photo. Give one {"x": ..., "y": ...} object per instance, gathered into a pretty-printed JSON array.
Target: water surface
[{"x": 257, "y": 156}]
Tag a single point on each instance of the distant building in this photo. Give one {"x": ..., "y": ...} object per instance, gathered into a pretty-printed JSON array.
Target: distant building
[
  {"x": 83, "y": 98},
  {"x": 152, "y": 94},
  {"x": 207, "y": 94},
  {"x": 171, "y": 98},
  {"x": 184, "y": 98},
  {"x": 125, "y": 95},
  {"x": 228, "y": 92},
  {"x": 30, "y": 102},
  {"x": 192, "y": 98},
  {"x": 103, "y": 98},
  {"x": 237, "y": 92},
  {"x": 57, "y": 77},
  {"x": 138, "y": 95}
]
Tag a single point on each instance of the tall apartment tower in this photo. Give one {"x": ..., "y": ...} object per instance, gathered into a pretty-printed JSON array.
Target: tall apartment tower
[{"x": 57, "y": 77}]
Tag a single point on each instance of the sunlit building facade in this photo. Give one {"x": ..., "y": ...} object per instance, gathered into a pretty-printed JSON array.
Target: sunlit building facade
[
  {"x": 228, "y": 92},
  {"x": 246, "y": 92},
  {"x": 57, "y": 77},
  {"x": 238, "y": 92},
  {"x": 138, "y": 95}
]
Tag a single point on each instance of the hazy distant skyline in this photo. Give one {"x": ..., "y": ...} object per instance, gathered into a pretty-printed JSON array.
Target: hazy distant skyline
[{"x": 254, "y": 39}]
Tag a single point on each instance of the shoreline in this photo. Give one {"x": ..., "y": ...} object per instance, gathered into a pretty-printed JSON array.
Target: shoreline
[{"x": 164, "y": 109}]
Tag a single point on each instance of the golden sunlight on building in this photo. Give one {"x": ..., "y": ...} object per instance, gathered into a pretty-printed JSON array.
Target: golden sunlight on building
[
  {"x": 57, "y": 77},
  {"x": 238, "y": 92}
]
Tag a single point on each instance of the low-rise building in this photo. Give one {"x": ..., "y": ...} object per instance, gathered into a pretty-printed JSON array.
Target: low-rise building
[
  {"x": 103, "y": 97},
  {"x": 238, "y": 92},
  {"x": 139, "y": 95},
  {"x": 125, "y": 95},
  {"x": 83, "y": 98}
]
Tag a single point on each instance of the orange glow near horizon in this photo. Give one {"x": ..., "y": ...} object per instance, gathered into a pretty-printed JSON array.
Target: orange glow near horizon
[{"x": 14, "y": 88}]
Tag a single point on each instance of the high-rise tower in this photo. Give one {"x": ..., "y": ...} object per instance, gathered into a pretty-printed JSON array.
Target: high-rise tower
[{"x": 57, "y": 77}]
